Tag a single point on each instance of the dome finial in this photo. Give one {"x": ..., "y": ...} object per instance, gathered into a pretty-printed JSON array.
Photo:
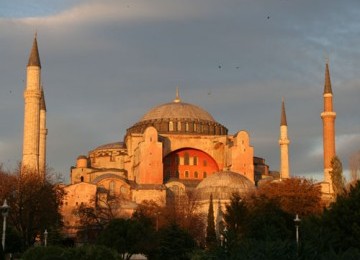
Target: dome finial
[{"x": 177, "y": 98}]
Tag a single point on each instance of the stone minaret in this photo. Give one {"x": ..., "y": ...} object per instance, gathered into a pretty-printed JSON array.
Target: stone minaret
[
  {"x": 284, "y": 145},
  {"x": 32, "y": 96},
  {"x": 328, "y": 118},
  {"x": 43, "y": 133}
]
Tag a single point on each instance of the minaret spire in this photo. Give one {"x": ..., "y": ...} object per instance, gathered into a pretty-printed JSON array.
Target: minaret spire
[
  {"x": 284, "y": 144},
  {"x": 328, "y": 117},
  {"x": 283, "y": 114},
  {"x": 327, "y": 85},
  {"x": 34, "y": 58}
]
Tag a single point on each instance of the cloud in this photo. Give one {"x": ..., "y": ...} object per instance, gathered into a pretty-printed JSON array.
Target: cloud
[{"x": 105, "y": 63}]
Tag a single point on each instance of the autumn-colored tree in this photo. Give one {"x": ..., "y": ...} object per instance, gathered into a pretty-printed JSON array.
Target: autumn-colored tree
[
  {"x": 34, "y": 203},
  {"x": 182, "y": 211},
  {"x": 337, "y": 177},
  {"x": 94, "y": 217},
  {"x": 295, "y": 196}
]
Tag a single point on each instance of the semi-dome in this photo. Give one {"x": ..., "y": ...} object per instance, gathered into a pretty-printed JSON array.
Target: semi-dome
[
  {"x": 222, "y": 185},
  {"x": 179, "y": 117},
  {"x": 110, "y": 146}
]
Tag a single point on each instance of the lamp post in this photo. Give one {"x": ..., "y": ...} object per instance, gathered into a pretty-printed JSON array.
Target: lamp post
[
  {"x": 297, "y": 221},
  {"x": 45, "y": 237},
  {"x": 5, "y": 211}
]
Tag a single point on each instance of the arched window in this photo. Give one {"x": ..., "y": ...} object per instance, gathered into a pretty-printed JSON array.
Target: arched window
[
  {"x": 186, "y": 127},
  {"x": 186, "y": 158},
  {"x": 179, "y": 126},
  {"x": 171, "y": 126},
  {"x": 196, "y": 175},
  {"x": 195, "y": 160},
  {"x": 82, "y": 178},
  {"x": 204, "y": 175},
  {"x": 186, "y": 174}
]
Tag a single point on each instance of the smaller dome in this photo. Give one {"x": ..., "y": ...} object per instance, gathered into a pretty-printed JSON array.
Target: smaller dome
[
  {"x": 222, "y": 185},
  {"x": 117, "y": 145}
]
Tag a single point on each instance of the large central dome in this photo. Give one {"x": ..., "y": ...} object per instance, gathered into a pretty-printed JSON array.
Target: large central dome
[
  {"x": 178, "y": 110},
  {"x": 179, "y": 118}
]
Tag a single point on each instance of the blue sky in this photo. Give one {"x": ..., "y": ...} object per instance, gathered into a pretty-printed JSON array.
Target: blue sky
[
  {"x": 34, "y": 8},
  {"x": 105, "y": 63}
]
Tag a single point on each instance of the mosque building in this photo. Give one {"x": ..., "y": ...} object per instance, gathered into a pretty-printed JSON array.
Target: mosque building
[{"x": 175, "y": 148}]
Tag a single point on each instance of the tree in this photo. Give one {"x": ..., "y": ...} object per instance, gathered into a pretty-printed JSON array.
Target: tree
[
  {"x": 337, "y": 178},
  {"x": 182, "y": 212},
  {"x": 127, "y": 237},
  {"x": 210, "y": 229},
  {"x": 34, "y": 203},
  {"x": 337, "y": 229},
  {"x": 295, "y": 195},
  {"x": 174, "y": 243},
  {"x": 94, "y": 216},
  {"x": 235, "y": 215}
]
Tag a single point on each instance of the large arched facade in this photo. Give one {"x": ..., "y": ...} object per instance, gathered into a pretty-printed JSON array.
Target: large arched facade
[{"x": 188, "y": 164}]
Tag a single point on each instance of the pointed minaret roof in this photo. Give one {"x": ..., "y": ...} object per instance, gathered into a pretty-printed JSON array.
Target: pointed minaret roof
[
  {"x": 177, "y": 98},
  {"x": 283, "y": 114},
  {"x": 327, "y": 86},
  {"x": 42, "y": 100},
  {"x": 34, "y": 58}
]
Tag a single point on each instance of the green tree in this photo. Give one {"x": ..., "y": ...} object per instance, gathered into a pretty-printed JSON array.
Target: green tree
[
  {"x": 127, "y": 237},
  {"x": 338, "y": 229},
  {"x": 210, "y": 229},
  {"x": 236, "y": 214},
  {"x": 174, "y": 243},
  {"x": 337, "y": 178}
]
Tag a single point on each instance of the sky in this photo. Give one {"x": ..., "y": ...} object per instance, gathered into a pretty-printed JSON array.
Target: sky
[{"x": 106, "y": 63}]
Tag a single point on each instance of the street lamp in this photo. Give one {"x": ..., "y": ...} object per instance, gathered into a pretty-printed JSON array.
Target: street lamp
[
  {"x": 5, "y": 211},
  {"x": 45, "y": 237},
  {"x": 297, "y": 221}
]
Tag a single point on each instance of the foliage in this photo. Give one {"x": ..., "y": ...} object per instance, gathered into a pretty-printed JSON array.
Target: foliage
[
  {"x": 93, "y": 252},
  {"x": 127, "y": 237},
  {"x": 42, "y": 253},
  {"x": 174, "y": 243},
  {"x": 235, "y": 215},
  {"x": 210, "y": 229},
  {"x": 13, "y": 240},
  {"x": 338, "y": 229},
  {"x": 80, "y": 253},
  {"x": 182, "y": 212},
  {"x": 295, "y": 196},
  {"x": 34, "y": 203},
  {"x": 94, "y": 216},
  {"x": 337, "y": 178}
]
